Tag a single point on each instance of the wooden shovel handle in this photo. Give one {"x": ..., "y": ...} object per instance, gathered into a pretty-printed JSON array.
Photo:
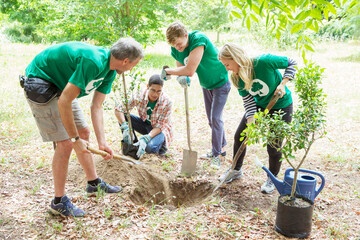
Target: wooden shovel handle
[{"x": 115, "y": 156}]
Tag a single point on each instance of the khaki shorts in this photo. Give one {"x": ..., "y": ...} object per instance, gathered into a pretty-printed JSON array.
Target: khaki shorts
[{"x": 48, "y": 120}]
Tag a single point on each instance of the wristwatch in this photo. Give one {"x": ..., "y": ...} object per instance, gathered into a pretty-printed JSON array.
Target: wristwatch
[{"x": 74, "y": 139}]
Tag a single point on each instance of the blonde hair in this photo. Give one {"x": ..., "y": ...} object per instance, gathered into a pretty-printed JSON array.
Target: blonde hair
[
  {"x": 175, "y": 30},
  {"x": 232, "y": 51}
]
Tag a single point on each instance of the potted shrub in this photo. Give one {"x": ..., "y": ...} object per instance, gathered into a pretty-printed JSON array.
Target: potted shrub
[{"x": 295, "y": 211}]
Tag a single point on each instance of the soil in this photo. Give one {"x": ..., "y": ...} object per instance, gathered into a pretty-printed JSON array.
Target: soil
[
  {"x": 147, "y": 183},
  {"x": 298, "y": 202}
]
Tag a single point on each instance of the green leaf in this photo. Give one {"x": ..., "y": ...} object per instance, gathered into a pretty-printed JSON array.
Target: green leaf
[
  {"x": 337, "y": 2},
  {"x": 254, "y": 18},
  {"x": 249, "y": 2},
  {"x": 316, "y": 13},
  {"x": 297, "y": 27},
  {"x": 256, "y": 9},
  {"x": 236, "y": 14},
  {"x": 261, "y": 8},
  {"x": 308, "y": 47},
  {"x": 353, "y": 3},
  {"x": 248, "y": 23},
  {"x": 331, "y": 8},
  {"x": 236, "y": 4},
  {"x": 326, "y": 13}
]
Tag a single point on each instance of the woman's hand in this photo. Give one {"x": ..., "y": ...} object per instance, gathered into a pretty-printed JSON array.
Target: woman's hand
[{"x": 281, "y": 87}]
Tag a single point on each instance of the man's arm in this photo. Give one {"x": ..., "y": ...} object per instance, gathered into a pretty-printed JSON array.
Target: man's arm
[
  {"x": 189, "y": 69},
  {"x": 155, "y": 131},
  {"x": 120, "y": 116},
  {"x": 98, "y": 122}
]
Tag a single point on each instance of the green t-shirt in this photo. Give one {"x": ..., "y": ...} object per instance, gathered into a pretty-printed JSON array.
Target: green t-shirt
[
  {"x": 84, "y": 65},
  {"x": 149, "y": 109},
  {"x": 266, "y": 79},
  {"x": 211, "y": 72}
]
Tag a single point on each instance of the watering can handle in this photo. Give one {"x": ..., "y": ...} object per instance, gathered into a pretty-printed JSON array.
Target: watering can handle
[{"x": 311, "y": 172}]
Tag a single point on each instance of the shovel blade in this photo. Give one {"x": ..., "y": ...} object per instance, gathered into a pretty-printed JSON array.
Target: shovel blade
[{"x": 188, "y": 166}]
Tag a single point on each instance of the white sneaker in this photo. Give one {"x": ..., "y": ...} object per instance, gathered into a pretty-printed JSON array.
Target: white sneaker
[
  {"x": 215, "y": 162},
  {"x": 234, "y": 174},
  {"x": 268, "y": 186}
]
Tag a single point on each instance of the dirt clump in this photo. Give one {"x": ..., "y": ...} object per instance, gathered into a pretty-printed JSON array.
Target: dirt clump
[{"x": 147, "y": 183}]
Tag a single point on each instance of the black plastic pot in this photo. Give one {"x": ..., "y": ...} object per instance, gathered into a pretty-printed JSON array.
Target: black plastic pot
[
  {"x": 294, "y": 221},
  {"x": 129, "y": 149}
]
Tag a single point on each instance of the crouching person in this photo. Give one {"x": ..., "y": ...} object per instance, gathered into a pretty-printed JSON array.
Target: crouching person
[
  {"x": 69, "y": 71},
  {"x": 154, "y": 120}
]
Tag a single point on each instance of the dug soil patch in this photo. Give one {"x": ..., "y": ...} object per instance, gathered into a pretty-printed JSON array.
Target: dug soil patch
[{"x": 146, "y": 183}]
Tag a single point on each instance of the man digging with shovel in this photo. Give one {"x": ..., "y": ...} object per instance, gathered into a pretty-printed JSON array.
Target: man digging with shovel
[
  {"x": 54, "y": 79},
  {"x": 154, "y": 121}
]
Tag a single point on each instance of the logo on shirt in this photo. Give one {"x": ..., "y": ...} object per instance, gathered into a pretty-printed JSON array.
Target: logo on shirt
[
  {"x": 92, "y": 85},
  {"x": 259, "y": 88},
  {"x": 149, "y": 112}
]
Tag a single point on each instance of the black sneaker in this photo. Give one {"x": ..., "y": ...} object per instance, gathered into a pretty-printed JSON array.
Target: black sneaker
[
  {"x": 65, "y": 208},
  {"x": 163, "y": 150},
  {"x": 104, "y": 187}
]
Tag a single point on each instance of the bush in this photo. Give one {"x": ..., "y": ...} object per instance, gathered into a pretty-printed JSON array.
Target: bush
[
  {"x": 337, "y": 29},
  {"x": 22, "y": 33}
]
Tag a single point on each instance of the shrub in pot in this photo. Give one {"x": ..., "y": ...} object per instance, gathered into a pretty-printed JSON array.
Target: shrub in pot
[{"x": 294, "y": 211}]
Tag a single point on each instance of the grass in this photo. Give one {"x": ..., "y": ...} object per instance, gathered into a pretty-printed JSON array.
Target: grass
[
  {"x": 17, "y": 137},
  {"x": 352, "y": 58}
]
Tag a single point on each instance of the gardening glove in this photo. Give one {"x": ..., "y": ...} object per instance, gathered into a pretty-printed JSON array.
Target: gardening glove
[
  {"x": 164, "y": 75},
  {"x": 142, "y": 143},
  {"x": 126, "y": 132},
  {"x": 184, "y": 81}
]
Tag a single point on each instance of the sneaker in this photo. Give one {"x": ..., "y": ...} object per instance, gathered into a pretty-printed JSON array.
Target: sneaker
[
  {"x": 163, "y": 150},
  {"x": 65, "y": 208},
  {"x": 268, "y": 186},
  {"x": 215, "y": 162},
  {"x": 209, "y": 155},
  {"x": 104, "y": 187},
  {"x": 234, "y": 174}
]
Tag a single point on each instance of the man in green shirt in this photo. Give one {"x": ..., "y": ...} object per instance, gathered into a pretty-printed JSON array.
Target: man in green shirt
[
  {"x": 77, "y": 69},
  {"x": 194, "y": 52}
]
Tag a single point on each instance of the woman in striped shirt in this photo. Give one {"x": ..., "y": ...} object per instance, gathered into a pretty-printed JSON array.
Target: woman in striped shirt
[{"x": 257, "y": 80}]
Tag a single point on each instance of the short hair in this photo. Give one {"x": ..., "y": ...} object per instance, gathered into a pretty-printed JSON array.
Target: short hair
[
  {"x": 175, "y": 30},
  {"x": 155, "y": 79},
  {"x": 127, "y": 48}
]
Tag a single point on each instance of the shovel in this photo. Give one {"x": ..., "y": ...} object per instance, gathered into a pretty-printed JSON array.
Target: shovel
[
  {"x": 188, "y": 166},
  {"x": 116, "y": 156},
  {"x": 272, "y": 102}
]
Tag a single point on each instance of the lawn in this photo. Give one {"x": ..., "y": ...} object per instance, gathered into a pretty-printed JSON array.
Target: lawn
[{"x": 157, "y": 203}]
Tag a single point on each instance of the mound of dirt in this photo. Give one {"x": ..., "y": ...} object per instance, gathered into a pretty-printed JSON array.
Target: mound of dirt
[{"x": 146, "y": 183}]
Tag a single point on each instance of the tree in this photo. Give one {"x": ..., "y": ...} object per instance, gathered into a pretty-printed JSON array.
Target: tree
[
  {"x": 103, "y": 21},
  {"x": 293, "y": 15},
  {"x": 204, "y": 15}
]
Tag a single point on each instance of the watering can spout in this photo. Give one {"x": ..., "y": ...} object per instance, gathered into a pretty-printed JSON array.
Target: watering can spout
[{"x": 278, "y": 184}]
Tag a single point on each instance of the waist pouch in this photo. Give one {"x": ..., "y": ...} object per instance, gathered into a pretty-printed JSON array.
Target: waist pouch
[{"x": 39, "y": 90}]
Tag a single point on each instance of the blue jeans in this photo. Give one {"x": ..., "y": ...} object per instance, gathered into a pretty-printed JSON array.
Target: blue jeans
[
  {"x": 157, "y": 144},
  {"x": 215, "y": 100}
]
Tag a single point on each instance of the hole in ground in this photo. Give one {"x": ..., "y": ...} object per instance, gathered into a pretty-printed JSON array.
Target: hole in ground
[{"x": 177, "y": 192}]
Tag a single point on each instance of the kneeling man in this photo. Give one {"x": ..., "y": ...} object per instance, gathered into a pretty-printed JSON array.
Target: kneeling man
[{"x": 154, "y": 120}]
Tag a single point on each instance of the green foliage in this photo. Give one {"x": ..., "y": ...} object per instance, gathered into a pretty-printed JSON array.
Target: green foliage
[
  {"x": 22, "y": 33},
  {"x": 308, "y": 122},
  {"x": 337, "y": 29},
  {"x": 135, "y": 79},
  {"x": 294, "y": 16},
  {"x": 102, "y": 21}
]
